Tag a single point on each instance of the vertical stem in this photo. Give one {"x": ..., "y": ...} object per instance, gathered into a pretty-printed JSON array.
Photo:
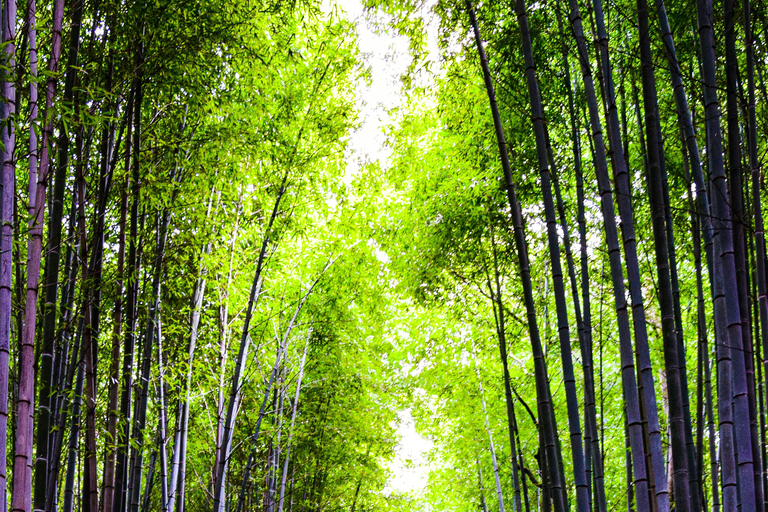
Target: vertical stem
[
  {"x": 491, "y": 447},
  {"x": 629, "y": 382},
  {"x": 7, "y": 179},
  {"x": 543, "y": 394},
  {"x": 735, "y": 435}
]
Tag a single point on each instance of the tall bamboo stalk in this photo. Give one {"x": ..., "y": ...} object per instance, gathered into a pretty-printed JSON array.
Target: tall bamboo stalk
[
  {"x": 736, "y": 197},
  {"x": 110, "y": 475},
  {"x": 7, "y": 179},
  {"x": 497, "y": 304},
  {"x": 736, "y": 447},
  {"x": 43, "y": 416},
  {"x": 624, "y": 200},
  {"x": 591, "y": 442},
  {"x": 491, "y": 447},
  {"x": 22, "y": 464},
  {"x": 759, "y": 229},
  {"x": 282, "y": 347},
  {"x": 178, "y": 486},
  {"x": 543, "y": 394},
  {"x": 223, "y": 452},
  {"x": 686, "y": 498},
  {"x": 569, "y": 379},
  {"x": 132, "y": 277},
  {"x": 140, "y": 414},
  {"x": 69, "y": 481},
  {"x": 293, "y": 422},
  {"x": 606, "y": 198}
]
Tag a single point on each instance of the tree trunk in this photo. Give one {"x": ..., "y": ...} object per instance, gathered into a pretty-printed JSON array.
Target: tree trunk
[
  {"x": 491, "y": 448},
  {"x": 479, "y": 482},
  {"x": 132, "y": 277},
  {"x": 572, "y": 399},
  {"x": 759, "y": 230},
  {"x": 544, "y": 400},
  {"x": 37, "y": 213},
  {"x": 8, "y": 180},
  {"x": 140, "y": 414},
  {"x": 625, "y": 342},
  {"x": 222, "y": 455},
  {"x": 497, "y": 304},
  {"x": 110, "y": 476},
  {"x": 734, "y": 435},
  {"x": 293, "y": 421},
  {"x": 686, "y": 498},
  {"x": 69, "y": 482},
  {"x": 179, "y": 486},
  {"x": 280, "y": 352}
]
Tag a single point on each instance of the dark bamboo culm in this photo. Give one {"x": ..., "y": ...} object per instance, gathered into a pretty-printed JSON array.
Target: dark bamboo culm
[
  {"x": 572, "y": 400},
  {"x": 543, "y": 394},
  {"x": 606, "y": 198},
  {"x": 682, "y": 492},
  {"x": 736, "y": 445}
]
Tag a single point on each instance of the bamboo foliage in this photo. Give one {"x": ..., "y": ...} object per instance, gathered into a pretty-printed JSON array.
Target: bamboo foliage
[{"x": 177, "y": 172}]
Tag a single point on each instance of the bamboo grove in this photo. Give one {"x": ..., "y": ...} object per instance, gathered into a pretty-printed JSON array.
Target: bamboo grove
[
  {"x": 585, "y": 183},
  {"x": 174, "y": 266},
  {"x": 558, "y": 267}
]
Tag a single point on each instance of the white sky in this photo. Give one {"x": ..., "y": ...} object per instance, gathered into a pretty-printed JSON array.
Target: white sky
[
  {"x": 410, "y": 466},
  {"x": 386, "y": 54}
]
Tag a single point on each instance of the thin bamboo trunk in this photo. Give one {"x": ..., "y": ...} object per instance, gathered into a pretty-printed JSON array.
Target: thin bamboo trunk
[
  {"x": 224, "y": 336},
  {"x": 543, "y": 394},
  {"x": 280, "y": 352},
  {"x": 759, "y": 230},
  {"x": 713, "y": 452},
  {"x": 178, "y": 488},
  {"x": 59, "y": 379},
  {"x": 162, "y": 420},
  {"x": 108, "y": 164},
  {"x": 22, "y": 464},
  {"x": 591, "y": 444},
  {"x": 64, "y": 376},
  {"x": 90, "y": 342},
  {"x": 606, "y": 198},
  {"x": 595, "y": 453},
  {"x": 147, "y": 495},
  {"x": 736, "y": 196},
  {"x": 114, "y": 372},
  {"x": 702, "y": 345},
  {"x": 521, "y": 463},
  {"x": 173, "y": 472},
  {"x": 69, "y": 481},
  {"x": 686, "y": 495},
  {"x": 54, "y": 241},
  {"x": 7, "y": 179},
  {"x": 643, "y": 406},
  {"x": 140, "y": 413},
  {"x": 656, "y": 475},
  {"x": 270, "y": 489},
  {"x": 736, "y": 447},
  {"x": 140, "y": 405},
  {"x": 479, "y": 482},
  {"x": 132, "y": 277},
  {"x": 222, "y": 455},
  {"x": 628, "y": 464},
  {"x": 293, "y": 421},
  {"x": 685, "y": 121},
  {"x": 545, "y": 493},
  {"x": 569, "y": 378},
  {"x": 491, "y": 447},
  {"x": 498, "y": 309},
  {"x": 44, "y": 410}
]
